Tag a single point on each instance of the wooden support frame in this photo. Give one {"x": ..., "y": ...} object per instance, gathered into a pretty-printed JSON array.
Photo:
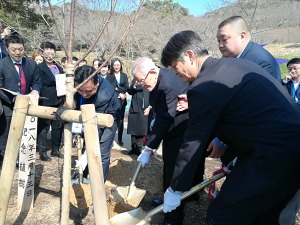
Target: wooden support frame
[{"x": 11, "y": 152}]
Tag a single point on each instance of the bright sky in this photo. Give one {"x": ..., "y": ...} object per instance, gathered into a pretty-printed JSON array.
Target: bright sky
[
  {"x": 195, "y": 7},
  {"x": 200, "y": 7}
]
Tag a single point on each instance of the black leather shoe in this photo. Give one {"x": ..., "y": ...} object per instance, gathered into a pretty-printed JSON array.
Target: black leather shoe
[
  {"x": 120, "y": 143},
  {"x": 57, "y": 154},
  {"x": 45, "y": 157},
  {"x": 157, "y": 202},
  {"x": 134, "y": 152}
]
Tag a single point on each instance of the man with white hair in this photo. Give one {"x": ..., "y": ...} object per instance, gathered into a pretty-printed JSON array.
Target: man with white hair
[{"x": 169, "y": 125}]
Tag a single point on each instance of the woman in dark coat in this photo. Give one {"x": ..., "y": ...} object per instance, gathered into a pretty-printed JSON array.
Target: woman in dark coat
[
  {"x": 138, "y": 116},
  {"x": 119, "y": 81}
]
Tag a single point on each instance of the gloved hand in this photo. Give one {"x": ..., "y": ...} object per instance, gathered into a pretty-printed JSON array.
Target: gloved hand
[
  {"x": 144, "y": 157},
  {"x": 152, "y": 124},
  {"x": 171, "y": 200},
  {"x": 82, "y": 161}
]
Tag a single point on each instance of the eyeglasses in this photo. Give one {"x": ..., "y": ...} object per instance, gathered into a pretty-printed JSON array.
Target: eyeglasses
[
  {"x": 143, "y": 80},
  {"x": 47, "y": 54},
  {"x": 290, "y": 69}
]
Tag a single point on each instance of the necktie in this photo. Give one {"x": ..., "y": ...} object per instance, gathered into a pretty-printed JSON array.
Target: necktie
[{"x": 22, "y": 83}]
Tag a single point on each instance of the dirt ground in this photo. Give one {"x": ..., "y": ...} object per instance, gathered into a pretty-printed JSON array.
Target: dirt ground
[{"x": 48, "y": 195}]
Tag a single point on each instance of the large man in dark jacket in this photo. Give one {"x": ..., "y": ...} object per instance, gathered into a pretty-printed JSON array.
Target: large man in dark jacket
[
  {"x": 251, "y": 111},
  {"x": 169, "y": 125},
  {"x": 17, "y": 74}
]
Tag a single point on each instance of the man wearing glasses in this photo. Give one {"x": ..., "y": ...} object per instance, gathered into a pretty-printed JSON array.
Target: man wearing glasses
[
  {"x": 293, "y": 84},
  {"x": 169, "y": 125},
  {"x": 17, "y": 74}
]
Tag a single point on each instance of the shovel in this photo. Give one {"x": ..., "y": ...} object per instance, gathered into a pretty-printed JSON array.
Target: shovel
[
  {"x": 139, "y": 217},
  {"x": 131, "y": 194},
  {"x": 80, "y": 191}
]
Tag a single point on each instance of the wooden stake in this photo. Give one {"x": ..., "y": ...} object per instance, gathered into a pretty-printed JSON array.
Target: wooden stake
[
  {"x": 11, "y": 152},
  {"x": 91, "y": 138},
  {"x": 45, "y": 112}
]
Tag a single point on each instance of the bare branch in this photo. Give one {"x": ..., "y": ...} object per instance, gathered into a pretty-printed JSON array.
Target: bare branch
[
  {"x": 62, "y": 40},
  {"x": 70, "y": 46},
  {"x": 100, "y": 31},
  {"x": 130, "y": 25}
]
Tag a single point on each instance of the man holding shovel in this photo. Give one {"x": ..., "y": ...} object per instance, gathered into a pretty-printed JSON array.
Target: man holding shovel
[
  {"x": 250, "y": 110},
  {"x": 169, "y": 125}
]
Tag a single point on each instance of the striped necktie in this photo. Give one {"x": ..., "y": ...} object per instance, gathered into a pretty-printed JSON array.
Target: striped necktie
[{"x": 22, "y": 82}]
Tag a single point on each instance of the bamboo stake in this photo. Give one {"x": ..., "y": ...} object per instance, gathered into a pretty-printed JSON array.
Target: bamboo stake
[
  {"x": 45, "y": 112},
  {"x": 95, "y": 164},
  {"x": 11, "y": 152}
]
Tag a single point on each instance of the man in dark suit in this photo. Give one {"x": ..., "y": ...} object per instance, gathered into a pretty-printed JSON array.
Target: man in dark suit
[
  {"x": 17, "y": 74},
  {"x": 235, "y": 42},
  {"x": 47, "y": 71},
  {"x": 169, "y": 125},
  {"x": 292, "y": 85},
  {"x": 99, "y": 92},
  {"x": 250, "y": 110}
]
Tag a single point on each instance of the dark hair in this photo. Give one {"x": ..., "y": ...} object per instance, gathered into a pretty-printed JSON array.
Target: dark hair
[
  {"x": 83, "y": 72},
  {"x": 74, "y": 58},
  {"x": 63, "y": 59},
  {"x": 293, "y": 61},
  {"x": 13, "y": 39},
  {"x": 107, "y": 64},
  {"x": 179, "y": 44},
  {"x": 112, "y": 65},
  {"x": 47, "y": 44}
]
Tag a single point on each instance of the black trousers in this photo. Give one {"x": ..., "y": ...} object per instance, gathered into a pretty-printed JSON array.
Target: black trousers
[
  {"x": 56, "y": 133},
  {"x": 170, "y": 151},
  {"x": 4, "y": 130},
  {"x": 137, "y": 142}
]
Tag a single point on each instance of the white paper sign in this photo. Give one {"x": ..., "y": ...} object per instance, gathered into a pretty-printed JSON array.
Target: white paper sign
[
  {"x": 27, "y": 161},
  {"x": 77, "y": 128},
  {"x": 61, "y": 88}
]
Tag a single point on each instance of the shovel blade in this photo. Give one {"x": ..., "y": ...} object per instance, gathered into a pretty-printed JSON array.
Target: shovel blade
[
  {"x": 133, "y": 198},
  {"x": 128, "y": 218}
]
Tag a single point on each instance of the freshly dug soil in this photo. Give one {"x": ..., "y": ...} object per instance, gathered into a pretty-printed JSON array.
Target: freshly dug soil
[{"x": 48, "y": 184}]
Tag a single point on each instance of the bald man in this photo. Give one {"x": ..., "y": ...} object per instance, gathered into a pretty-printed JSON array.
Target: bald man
[{"x": 235, "y": 42}]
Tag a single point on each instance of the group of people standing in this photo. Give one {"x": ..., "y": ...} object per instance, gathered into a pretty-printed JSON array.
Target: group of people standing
[{"x": 233, "y": 108}]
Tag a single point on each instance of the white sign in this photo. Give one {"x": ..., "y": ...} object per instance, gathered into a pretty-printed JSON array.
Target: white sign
[
  {"x": 61, "y": 88},
  {"x": 77, "y": 128},
  {"x": 27, "y": 154}
]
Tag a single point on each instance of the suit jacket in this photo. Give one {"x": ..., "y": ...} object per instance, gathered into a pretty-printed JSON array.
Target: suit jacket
[
  {"x": 120, "y": 88},
  {"x": 257, "y": 54},
  {"x": 9, "y": 78},
  {"x": 137, "y": 122},
  {"x": 289, "y": 87},
  {"x": 105, "y": 101},
  {"x": 252, "y": 112},
  {"x": 49, "y": 85},
  {"x": 168, "y": 122},
  {"x": 3, "y": 49}
]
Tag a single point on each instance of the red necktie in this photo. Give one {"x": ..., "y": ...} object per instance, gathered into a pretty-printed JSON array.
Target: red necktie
[{"x": 22, "y": 79}]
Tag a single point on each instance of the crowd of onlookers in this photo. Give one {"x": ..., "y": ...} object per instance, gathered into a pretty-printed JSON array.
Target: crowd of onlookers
[{"x": 36, "y": 75}]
